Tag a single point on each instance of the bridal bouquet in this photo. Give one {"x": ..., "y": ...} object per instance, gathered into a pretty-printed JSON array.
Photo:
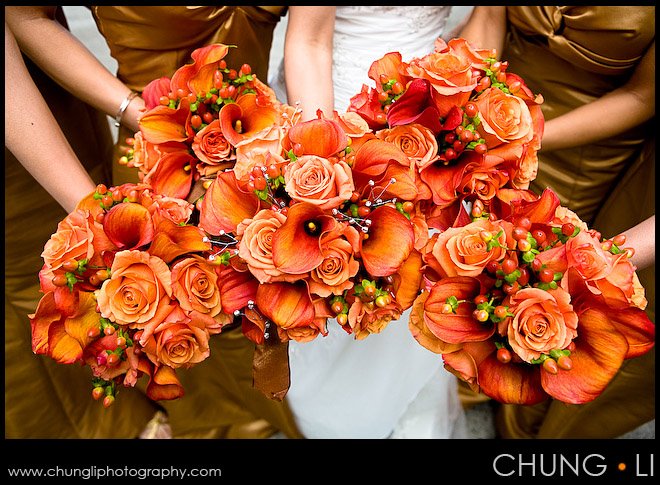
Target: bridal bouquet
[
  {"x": 243, "y": 212},
  {"x": 522, "y": 300}
]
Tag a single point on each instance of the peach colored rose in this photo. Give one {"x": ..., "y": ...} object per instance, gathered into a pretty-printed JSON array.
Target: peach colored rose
[
  {"x": 462, "y": 251},
  {"x": 332, "y": 276},
  {"x": 72, "y": 240},
  {"x": 195, "y": 285},
  {"x": 585, "y": 254},
  {"x": 415, "y": 140},
  {"x": 255, "y": 247},
  {"x": 366, "y": 319},
  {"x": 542, "y": 321},
  {"x": 620, "y": 286},
  {"x": 450, "y": 76},
  {"x": 352, "y": 123},
  {"x": 526, "y": 168},
  {"x": 247, "y": 160},
  {"x": 564, "y": 215},
  {"x": 138, "y": 290},
  {"x": 176, "y": 210},
  {"x": 504, "y": 118},
  {"x": 180, "y": 340},
  {"x": 212, "y": 149},
  {"x": 318, "y": 181},
  {"x": 483, "y": 182}
]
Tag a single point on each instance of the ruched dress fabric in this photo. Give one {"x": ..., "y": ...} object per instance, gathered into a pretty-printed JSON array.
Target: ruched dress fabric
[
  {"x": 573, "y": 56},
  {"x": 44, "y": 399}
]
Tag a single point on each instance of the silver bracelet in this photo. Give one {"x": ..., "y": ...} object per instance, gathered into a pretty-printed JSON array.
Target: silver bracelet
[{"x": 123, "y": 106}]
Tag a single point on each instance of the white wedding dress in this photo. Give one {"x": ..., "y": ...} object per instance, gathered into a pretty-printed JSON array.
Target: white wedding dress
[{"x": 387, "y": 385}]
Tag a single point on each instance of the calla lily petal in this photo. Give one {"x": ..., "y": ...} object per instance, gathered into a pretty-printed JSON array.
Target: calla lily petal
[
  {"x": 510, "y": 383},
  {"x": 45, "y": 315},
  {"x": 203, "y": 56},
  {"x": 253, "y": 117},
  {"x": 164, "y": 124},
  {"x": 153, "y": 91},
  {"x": 390, "y": 242},
  {"x": 173, "y": 175},
  {"x": 225, "y": 205},
  {"x": 637, "y": 328},
  {"x": 374, "y": 156},
  {"x": 172, "y": 240},
  {"x": 129, "y": 226},
  {"x": 416, "y": 106},
  {"x": 288, "y": 305},
  {"x": 296, "y": 244},
  {"x": 599, "y": 353},
  {"x": 421, "y": 332},
  {"x": 408, "y": 279},
  {"x": 237, "y": 288},
  {"x": 320, "y": 137},
  {"x": 460, "y": 326},
  {"x": 164, "y": 385}
]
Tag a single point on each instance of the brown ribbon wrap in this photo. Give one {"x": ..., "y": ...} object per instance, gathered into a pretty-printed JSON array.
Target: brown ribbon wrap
[{"x": 270, "y": 367}]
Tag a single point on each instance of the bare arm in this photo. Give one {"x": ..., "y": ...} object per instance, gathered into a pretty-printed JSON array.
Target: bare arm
[
  {"x": 486, "y": 28},
  {"x": 612, "y": 114},
  {"x": 64, "y": 58},
  {"x": 35, "y": 138},
  {"x": 642, "y": 238},
  {"x": 308, "y": 59}
]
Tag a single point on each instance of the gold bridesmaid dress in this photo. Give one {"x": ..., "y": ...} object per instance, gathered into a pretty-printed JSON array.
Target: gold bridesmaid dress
[
  {"x": 148, "y": 43},
  {"x": 44, "y": 399},
  {"x": 572, "y": 56}
]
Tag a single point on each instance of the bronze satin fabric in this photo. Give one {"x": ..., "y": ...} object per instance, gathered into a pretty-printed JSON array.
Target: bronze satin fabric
[
  {"x": 148, "y": 43},
  {"x": 44, "y": 399},
  {"x": 574, "y": 55}
]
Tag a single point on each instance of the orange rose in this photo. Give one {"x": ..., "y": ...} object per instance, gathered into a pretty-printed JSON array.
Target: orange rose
[
  {"x": 318, "y": 181},
  {"x": 180, "y": 340},
  {"x": 195, "y": 285},
  {"x": 450, "y": 76},
  {"x": 365, "y": 320},
  {"x": 176, "y": 210},
  {"x": 620, "y": 287},
  {"x": 247, "y": 160},
  {"x": 72, "y": 240},
  {"x": 138, "y": 290},
  {"x": 463, "y": 251},
  {"x": 146, "y": 155},
  {"x": 585, "y": 254},
  {"x": 212, "y": 149},
  {"x": 415, "y": 140},
  {"x": 255, "y": 246},
  {"x": 483, "y": 183},
  {"x": 332, "y": 276},
  {"x": 504, "y": 118},
  {"x": 542, "y": 321},
  {"x": 564, "y": 215}
]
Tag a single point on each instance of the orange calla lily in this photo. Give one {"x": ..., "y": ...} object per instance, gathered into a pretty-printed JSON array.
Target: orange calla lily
[
  {"x": 518, "y": 203},
  {"x": 128, "y": 226},
  {"x": 510, "y": 383},
  {"x": 226, "y": 205},
  {"x": 420, "y": 331},
  {"x": 172, "y": 240},
  {"x": 407, "y": 280},
  {"x": 443, "y": 180},
  {"x": 320, "y": 137},
  {"x": 164, "y": 384},
  {"x": 252, "y": 114},
  {"x": 163, "y": 124},
  {"x": 63, "y": 337},
  {"x": 460, "y": 326},
  {"x": 296, "y": 244},
  {"x": 237, "y": 288},
  {"x": 390, "y": 65},
  {"x": 288, "y": 305},
  {"x": 195, "y": 77},
  {"x": 173, "y": 174},
  {"x": 390, "y": 242}
]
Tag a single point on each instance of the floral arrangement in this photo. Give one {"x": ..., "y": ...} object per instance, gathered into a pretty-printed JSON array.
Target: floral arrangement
[
  {"x": 417, "y": 197},
  {"x": 522, "y": 300}
]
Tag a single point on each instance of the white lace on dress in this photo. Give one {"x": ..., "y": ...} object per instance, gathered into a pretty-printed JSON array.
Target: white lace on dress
[{"x": 386, "y": 385}]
